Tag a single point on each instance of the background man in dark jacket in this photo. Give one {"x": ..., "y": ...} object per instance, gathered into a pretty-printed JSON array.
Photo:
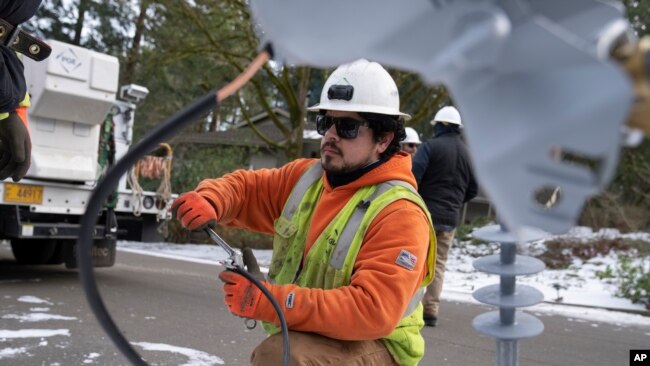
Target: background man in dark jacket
[
  {"x": 15, "y": 143},
  {"x": 445, "y": 181}
]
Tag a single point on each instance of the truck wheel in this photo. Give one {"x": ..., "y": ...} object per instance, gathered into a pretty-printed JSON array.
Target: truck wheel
[
  {"x": 57, "y": 255},
  {"x": 33, "y": 251}
]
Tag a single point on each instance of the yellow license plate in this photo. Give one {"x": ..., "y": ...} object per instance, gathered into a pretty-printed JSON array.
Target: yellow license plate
[{"x": 23, "y": 193}]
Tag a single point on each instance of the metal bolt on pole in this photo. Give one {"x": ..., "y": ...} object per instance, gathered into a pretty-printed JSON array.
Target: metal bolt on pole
[{"x": 507, "y": 324}]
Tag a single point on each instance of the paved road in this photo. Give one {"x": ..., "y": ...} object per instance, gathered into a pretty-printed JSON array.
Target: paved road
[{"x": 175, "y": 307}]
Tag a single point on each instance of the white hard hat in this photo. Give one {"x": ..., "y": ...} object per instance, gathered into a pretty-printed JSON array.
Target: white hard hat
[
  {"x": 449, "y": 115},
  {"x": 360, "y": 86},
  {"x": 411, "y": 136}
]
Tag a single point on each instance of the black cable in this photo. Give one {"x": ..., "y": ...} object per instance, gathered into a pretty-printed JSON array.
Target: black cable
[
  {"x": 160, "y": 133},
  {"x": 278, "y": 309}
]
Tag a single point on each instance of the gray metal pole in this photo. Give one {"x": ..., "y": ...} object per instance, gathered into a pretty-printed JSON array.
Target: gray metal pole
[{"x": 507, "y": 353}]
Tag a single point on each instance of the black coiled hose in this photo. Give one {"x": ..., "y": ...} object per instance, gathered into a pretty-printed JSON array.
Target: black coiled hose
[{"x": 160, "y": 133}]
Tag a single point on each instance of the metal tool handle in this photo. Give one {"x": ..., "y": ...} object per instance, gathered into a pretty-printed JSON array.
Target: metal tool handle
[
  {"x": 222, "y": 243},
  {"x": 234, "y": 256}
]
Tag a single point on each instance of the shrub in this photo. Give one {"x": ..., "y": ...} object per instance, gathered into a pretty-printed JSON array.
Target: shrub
[
  {"x": 463, "y": 231},
  {"x": 626, "y": 203},
  {"x": 634, "y": 281},
  {"x": 560, "y": 252}
]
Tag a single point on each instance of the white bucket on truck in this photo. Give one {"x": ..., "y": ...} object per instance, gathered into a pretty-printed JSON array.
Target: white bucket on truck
[{"x": 71, "y": 93}]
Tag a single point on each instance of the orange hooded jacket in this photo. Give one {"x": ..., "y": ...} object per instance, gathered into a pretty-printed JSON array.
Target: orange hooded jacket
[{"x": 380, "y": 290}]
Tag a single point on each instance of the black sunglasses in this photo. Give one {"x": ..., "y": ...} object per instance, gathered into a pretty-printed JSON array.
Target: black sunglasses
[
  {"x": 346, "y": 127},
  {"x": 411, "y": 145}
]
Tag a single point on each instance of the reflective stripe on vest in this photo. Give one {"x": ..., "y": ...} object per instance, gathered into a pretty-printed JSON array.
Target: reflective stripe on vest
[
  {"x": 351, "y": 227},
  {"x": 309, "y": 177}
]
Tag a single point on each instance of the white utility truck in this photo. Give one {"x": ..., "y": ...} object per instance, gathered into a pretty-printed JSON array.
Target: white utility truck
[{"x": 78, "y": 125}]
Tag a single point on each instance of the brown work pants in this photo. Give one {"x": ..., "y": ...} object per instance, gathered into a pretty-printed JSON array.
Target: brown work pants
[
  {"x": 431, "y": 299},
  {"x": 313, "y": 349}
]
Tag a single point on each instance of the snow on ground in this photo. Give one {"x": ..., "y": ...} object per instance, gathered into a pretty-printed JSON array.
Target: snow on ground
[
  {"x": 32, "y": 333},
  {"x": 578, "y": 284},
  {"x": 33, "y": 300},
  {"x": 38, "y": 338},
  {"x": 37, "y": 317},
  {"x": 195, "y": 358},
  {"x": 90, "y": 358}
]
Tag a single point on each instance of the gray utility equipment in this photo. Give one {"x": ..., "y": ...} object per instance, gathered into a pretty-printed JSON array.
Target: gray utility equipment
[{"x": 543, "y": 103}]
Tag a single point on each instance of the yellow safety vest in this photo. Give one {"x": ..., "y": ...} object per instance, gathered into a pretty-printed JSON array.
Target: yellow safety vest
[{"x": 330, "y": 266}]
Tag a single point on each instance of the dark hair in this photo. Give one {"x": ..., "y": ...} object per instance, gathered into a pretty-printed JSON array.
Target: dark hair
[{"x": 382, "y": 124}]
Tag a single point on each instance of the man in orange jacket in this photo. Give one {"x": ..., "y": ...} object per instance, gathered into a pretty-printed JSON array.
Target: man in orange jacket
[{"x": 353, "y": 321}]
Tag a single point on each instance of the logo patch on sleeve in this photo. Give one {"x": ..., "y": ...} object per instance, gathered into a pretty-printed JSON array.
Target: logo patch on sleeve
[
  {"x": 290, "y": 299},
  {"x": 406, "y": 260}
]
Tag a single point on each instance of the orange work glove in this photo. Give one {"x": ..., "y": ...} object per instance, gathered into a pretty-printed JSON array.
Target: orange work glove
[
  {"x": 242, "y": 296},
  {"x": 193, "y": 211}
]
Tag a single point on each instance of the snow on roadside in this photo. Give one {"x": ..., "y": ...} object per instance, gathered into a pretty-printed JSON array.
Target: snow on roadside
[{"x": 578, "y": 284}]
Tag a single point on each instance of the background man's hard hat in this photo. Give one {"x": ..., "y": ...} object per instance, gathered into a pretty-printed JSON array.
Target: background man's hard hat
[
  {"x": 449, "y": 115},
  {"x": 411, "y": 136}
]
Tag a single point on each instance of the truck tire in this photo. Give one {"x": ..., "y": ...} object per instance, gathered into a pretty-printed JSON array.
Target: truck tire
[
  {"x": 34, "y": 251},
  {"x": 57, "y": 256}
]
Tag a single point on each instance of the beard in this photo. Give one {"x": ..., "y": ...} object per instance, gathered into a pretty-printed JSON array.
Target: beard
[
  {"x": 329, "y": 165},
  {"x": 336, "y": 164},
  {"x": 333, "y": 164}
]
